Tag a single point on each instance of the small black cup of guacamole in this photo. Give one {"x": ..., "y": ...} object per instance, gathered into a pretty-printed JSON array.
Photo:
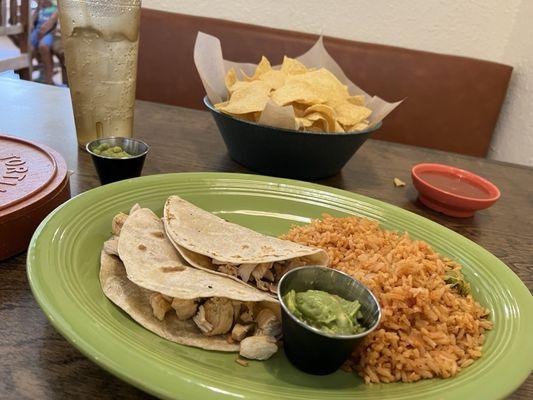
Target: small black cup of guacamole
[
  {"x": 325, "y": 315},
  {"x": 117, "y": 158}
]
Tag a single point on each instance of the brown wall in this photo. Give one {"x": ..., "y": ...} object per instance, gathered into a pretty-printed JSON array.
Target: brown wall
[{"x": 451, "y": 103}]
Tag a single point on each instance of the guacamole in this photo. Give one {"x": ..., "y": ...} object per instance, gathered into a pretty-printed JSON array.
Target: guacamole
[
  {"x": 327, "y": 312},
  {"x": 106, "y": 150}
]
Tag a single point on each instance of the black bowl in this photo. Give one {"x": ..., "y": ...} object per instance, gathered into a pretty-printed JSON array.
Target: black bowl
[
  {"x": 112, "y": 169},
  {"x": 308, "y": 348},
  {"x": 285, "y": 152}
]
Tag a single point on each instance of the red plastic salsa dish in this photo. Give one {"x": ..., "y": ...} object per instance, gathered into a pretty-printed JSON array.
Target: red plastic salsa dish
[{"x": 453, "y": 191}]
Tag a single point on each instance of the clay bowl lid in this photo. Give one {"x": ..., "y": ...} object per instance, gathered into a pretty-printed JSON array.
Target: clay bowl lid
[{"x": 30, "y": 175}]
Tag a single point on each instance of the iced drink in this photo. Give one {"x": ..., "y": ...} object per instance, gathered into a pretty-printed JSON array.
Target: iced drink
[{"x": 100, "y": 39}]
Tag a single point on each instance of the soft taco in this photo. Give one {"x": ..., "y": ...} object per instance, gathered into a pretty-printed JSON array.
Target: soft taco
[
  {"x": 221, "y": 247},
  {"x": 142, "y": 273}
]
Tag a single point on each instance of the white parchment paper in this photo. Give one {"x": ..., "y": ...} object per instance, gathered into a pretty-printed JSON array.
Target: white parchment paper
[{"x": 212, "y": 69}]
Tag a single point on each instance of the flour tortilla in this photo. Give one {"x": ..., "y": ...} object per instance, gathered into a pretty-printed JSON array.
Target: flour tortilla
[
  {"x": 201, "y": 236},
  {"x": 135, "y": 301},
  {"x": 152, "y": 262},
  {"x": 149, "y": 263}
]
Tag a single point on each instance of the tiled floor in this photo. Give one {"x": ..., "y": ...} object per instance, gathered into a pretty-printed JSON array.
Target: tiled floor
[{"x": 57, "y": 72}]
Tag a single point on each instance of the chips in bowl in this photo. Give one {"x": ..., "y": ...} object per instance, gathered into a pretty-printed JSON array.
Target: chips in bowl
[{"x": 320, "y": 102}]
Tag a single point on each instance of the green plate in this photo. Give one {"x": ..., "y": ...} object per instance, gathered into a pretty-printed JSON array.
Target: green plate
[{"x": 63, "y": 263}]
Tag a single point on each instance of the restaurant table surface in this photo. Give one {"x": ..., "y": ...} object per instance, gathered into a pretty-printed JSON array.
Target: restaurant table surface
[{"x": 36, "y": 362}]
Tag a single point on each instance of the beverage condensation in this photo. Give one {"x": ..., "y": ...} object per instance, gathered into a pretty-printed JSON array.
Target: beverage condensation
[{"x": 101, "y": 40}]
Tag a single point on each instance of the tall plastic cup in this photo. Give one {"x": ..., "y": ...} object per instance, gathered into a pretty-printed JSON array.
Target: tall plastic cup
[{"x": 100, "y": 40}]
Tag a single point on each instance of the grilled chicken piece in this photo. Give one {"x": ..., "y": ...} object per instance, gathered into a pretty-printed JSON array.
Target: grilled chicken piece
[
  {"x": 247, "y": 314},
  {"x": 247, "y": 317},
  {"x": 219, "y": 312},
  {"x": 160, "y": 306},
  {"x": 215, "y": 316},
  {"x": 258, "y": 347},
  {"x": 236, "y": 309},
  {"x": 228, "y": 269},
  {"x": 118, "y": 221},
  {"x": 245, "y": 270},
  {"x": 263, "y": 285},
  {"x": 295, "y": 263},
  {"x": 185, "y": 308},
  {"x": 279, "y": 269},
  {"x": 273, "y": 288},
  {"x": 201, "y": 322},
  {"x": 239, "y": 332},
  {"x": 260, "y": 270},
  {"x": 267, "y": 323},
  {"x": 111, "y": 246},
  {"x": 268, "y": 276}
]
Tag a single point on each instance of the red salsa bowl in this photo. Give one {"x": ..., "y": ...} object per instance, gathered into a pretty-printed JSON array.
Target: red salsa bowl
[{"x": 453, "y": 191}]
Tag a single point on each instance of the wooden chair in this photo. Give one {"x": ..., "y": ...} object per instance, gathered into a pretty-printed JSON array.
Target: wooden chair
[
  {"x": 451, "y": 103},
  {"x": 15, "y": 23},
  {"x": 59, "y": 52}
]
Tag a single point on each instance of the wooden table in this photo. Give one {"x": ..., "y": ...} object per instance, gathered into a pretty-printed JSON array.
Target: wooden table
[{"x": 36, "y": 362}]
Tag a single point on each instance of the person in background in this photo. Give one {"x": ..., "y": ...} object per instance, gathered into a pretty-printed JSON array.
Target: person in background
[{"x": 45, "y": 20}]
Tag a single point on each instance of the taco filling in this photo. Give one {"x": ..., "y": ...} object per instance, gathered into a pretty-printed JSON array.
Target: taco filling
[
  {"x": 144, "y": 275},
  {"x": 211, "y": 243}
]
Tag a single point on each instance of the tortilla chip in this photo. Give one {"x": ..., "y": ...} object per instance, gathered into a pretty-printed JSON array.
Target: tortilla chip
[
  {"x": 251, "y": 98},
  {"x": 238, "y": 86},
  {"x": 291, "y": 66},
  {"x": 339, "y": 128},
  {"x": 349, "y": 114},
  {"x": 263, "y": 67},
  {"x": 274, "y": 78},
  {"x": 299, "y": 109},
  {"x": 361, "y": 126},
  {"x": 319, "y": 121},
  {"x": 316, "y": 127},
  {"x": 323, "y": 84},
  {"x": 251, "y": 117},
  {"x": 358, "y": 100},
  {"x": 326, "y": 111},
  {"x": 296, "y": 91},
  {"x": 302, "y": 123},
  {"x": 310, "y": 91},
  {"x": 222, "y": 105},
  {"x": 230, "y": 79}
]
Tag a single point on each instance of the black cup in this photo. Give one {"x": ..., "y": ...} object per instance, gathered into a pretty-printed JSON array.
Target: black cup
[
  {"x": 286, "y": 152},
  {"x": 308, "y": 348},
  {"x": 112, "y": 169}
]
